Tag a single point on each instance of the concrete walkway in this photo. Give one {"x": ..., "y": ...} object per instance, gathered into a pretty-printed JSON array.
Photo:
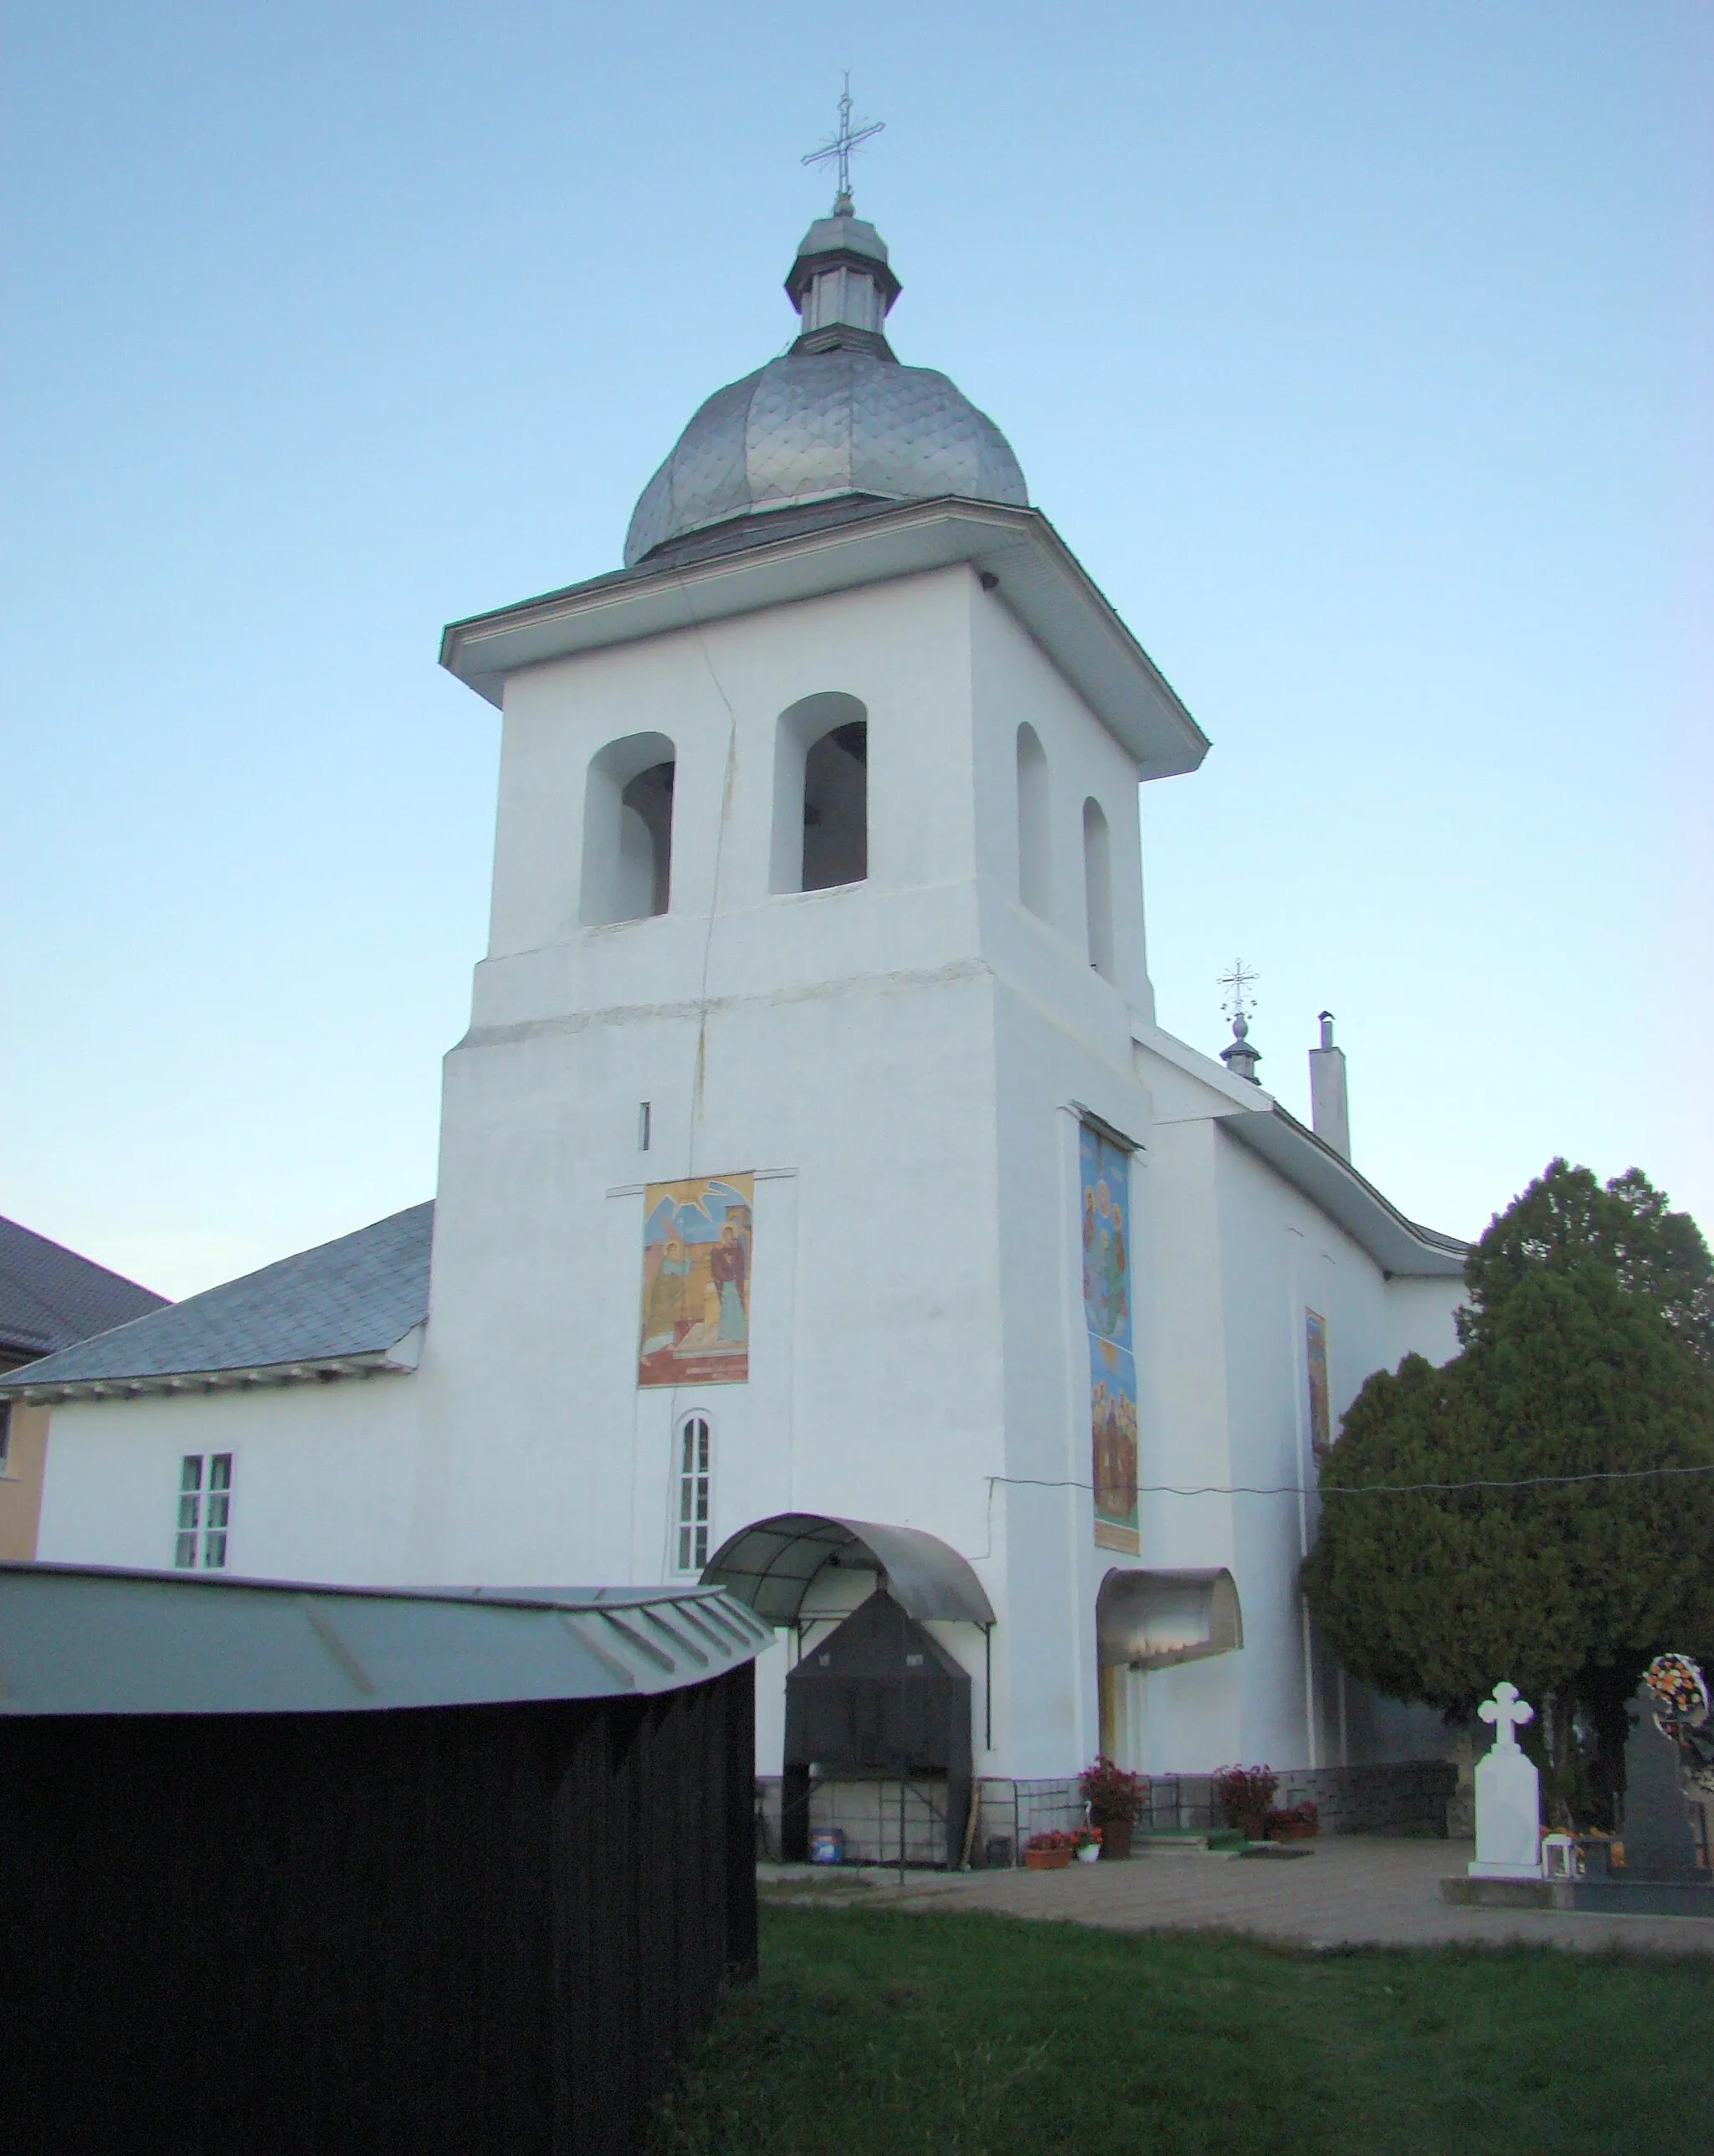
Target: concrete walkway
[{"x": 1352, "y": 1890}]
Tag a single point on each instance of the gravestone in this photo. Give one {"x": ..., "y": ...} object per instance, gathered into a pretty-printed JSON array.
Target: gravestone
[
  {"x": 1508, "y": 1794},
  {"x": 1461, "y": 1804},
  {"x": 1658, "y": 1841},
  {"x": 1660, "y": 1877}
]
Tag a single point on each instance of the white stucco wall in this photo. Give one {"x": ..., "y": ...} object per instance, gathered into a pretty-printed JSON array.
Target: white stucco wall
[
  {"x": 1422, "y": 1320},
  {"x": 899, "y": 1061},
  {"x": 902, "y": 1064},
  {"x": 1242, "y": 1256},
  {"x": 322, "y": 1478}
]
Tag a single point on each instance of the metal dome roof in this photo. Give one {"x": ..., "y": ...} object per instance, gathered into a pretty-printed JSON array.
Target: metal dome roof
[
  {"x": 837, "y": 416},
  {"x": 818, "y": 425}
]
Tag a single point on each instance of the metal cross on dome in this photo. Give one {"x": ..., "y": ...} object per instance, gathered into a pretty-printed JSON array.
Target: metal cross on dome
[
  {"x": 1238, "y": 983},
  {"x": 839, "y": 147}
]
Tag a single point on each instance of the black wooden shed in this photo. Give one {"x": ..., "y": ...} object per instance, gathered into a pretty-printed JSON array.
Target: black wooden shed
[{"x": 315, "y": 1870}]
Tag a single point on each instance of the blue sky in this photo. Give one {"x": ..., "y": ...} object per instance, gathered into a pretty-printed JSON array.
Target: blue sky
[{"x": 1361, "y": 354}]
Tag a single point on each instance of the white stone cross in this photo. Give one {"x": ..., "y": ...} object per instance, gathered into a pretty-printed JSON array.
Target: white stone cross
[
  {"x": 1508, "y": 1713},
  {"x": 1508, "y": 1794}
]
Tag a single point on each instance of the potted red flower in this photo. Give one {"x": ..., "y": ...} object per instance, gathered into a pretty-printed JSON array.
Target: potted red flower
[
  {"x": 1245, "y": 1794},
  {"x": 1114, "y": 1798},
  {"x": 1051, "y": 1850},
  {"x": 1294, "y": 1823}
]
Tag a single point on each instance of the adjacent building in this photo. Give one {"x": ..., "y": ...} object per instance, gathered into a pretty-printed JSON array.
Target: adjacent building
[{"x": 49, "y": 1298}]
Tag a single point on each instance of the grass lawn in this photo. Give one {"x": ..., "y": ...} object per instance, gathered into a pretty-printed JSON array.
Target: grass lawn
[{"x": 872, "y": 2033}]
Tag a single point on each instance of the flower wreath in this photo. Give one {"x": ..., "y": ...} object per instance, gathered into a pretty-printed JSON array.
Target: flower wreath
[
  {"x": 1679, "y": 1695},
  {"x": 1678, "y": 1692}
]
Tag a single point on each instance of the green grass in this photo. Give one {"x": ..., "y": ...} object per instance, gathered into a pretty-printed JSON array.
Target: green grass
[{"x": 873, "y": 2033}]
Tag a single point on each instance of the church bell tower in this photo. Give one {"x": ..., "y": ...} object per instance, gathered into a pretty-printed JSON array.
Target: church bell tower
[{"x": 816, "y": 949}]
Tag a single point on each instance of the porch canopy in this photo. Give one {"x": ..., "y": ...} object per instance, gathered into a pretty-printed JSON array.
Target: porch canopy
[
  {"x": 771, "y": 1566},
  {"x": 1149, "y": 1620}
]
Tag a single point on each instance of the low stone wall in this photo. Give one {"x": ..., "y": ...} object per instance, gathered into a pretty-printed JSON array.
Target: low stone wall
[
  {"x": 1404, "y": 1797},
  {"x": 1407, "y": 1796}
]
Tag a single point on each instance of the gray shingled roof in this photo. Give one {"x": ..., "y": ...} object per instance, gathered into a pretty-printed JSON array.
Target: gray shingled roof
[
  {"x": 50, "y": 1297},
  {"x": 356, "y": 1297}
]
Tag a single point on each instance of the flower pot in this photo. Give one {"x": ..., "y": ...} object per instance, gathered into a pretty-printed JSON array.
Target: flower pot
[
  {"x": 1252, "y": 1826},
  {"x": 1089, "y": 1852},
  {"x": 1046, "y": 1860},
  {"x": 1115, "y": 1838},
  {"x": 1298, "y": 1830}
]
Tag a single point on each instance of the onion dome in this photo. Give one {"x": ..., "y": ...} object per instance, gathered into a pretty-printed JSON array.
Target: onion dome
[{"x": 836, "y": 417}]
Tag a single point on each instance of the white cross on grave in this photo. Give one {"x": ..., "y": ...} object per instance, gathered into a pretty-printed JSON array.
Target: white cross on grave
[
  {"x": 1508, "y": 1711},
  {"x": 1508, "y": 1794}
]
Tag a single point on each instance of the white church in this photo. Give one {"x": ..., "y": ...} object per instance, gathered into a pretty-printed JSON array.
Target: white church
[{"x": 821, "y": 1209}]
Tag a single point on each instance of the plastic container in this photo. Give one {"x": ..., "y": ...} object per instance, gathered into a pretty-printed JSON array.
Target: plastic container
[{"x": 827, "y": 1845}]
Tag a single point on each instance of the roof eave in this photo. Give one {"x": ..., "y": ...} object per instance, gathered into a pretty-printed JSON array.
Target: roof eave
[
  {"x": 399, "y": 1359},
  {"x": 1249, "y": 1094},
  {"x": 94, "y": 1639},
  {"x": 1038, "y": 579},
  {"x": 1401, "y": 1248},
  {"x": 33, "y": 1350}
]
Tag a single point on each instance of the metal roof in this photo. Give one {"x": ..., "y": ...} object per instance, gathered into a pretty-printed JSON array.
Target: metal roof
[
  {"x": 346, "y": 1306},
  {"x": 1399, "y": 1247},
  {"x": 816, "y": 425},
  {"x": 82, "y": 1639},
  {"x": 1152, "y": 1619},
  {"x": 771, "y": 1566},
  {"x": 836, "y": 417},
  {"x": 50, "y": 1297}
]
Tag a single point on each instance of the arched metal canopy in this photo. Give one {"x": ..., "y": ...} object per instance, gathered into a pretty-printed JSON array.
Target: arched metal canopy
[
  {"x": 771, "y": 1566},
  {"x": 1149, "y": 1620}
]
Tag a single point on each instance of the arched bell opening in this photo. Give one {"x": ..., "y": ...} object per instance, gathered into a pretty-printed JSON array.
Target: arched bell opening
[
  {"x": 1036, "y": 856},
  {"x": 627, "y": 831},
  {"x": 821, "y": 795},
  {"x": 1098, "y": 888}
]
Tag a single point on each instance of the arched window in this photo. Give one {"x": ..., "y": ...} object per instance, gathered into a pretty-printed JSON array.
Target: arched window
[
  {"x": 695, "y": 1479},
  {"x": 1035, "y": 861},
  {"x": 1098, "y": 888},
  {"x": 627, "y": 831},
  {"x": 821, "y": 795}
]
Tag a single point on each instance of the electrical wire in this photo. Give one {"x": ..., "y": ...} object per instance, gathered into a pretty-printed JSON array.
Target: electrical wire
[{"x": 1360, "y": 1489}]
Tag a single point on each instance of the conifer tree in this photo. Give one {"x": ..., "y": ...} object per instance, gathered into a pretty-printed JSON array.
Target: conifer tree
[{"x": 1585, "y": 1352}]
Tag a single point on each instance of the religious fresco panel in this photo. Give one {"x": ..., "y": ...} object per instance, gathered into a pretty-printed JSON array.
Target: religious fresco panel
[
  {"x": 1105, "y": 1208},
  {"x": 1106, "y": 1230},
  {"x": 1112, "y": 1429},
  {"x": 1321, "y": 1421},
  {"x": 696, "y": 1245}
]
